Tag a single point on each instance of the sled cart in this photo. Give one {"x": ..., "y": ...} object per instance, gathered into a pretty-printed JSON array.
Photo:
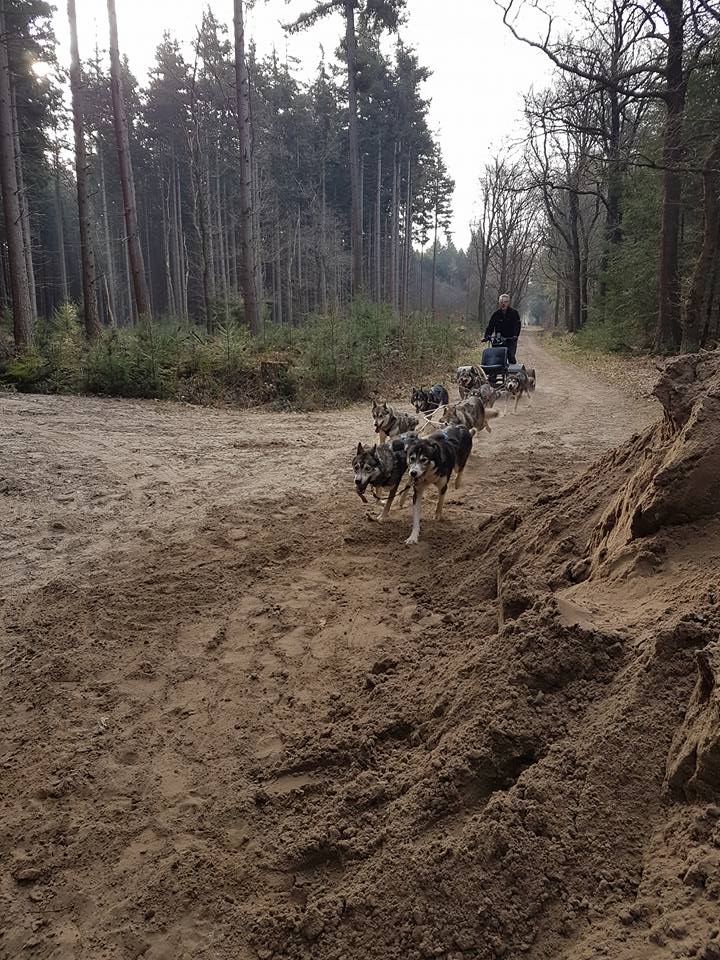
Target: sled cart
[{"x": 495, "y": 362}]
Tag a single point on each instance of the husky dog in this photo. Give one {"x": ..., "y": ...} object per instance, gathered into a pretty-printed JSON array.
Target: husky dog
[
  {"x": 469, "y": 379},
  {"x": 427, "y": 399},
  {"x": 488, "y": 394},
  {"x": 431, "y": 461},
  {"x": 469, "y": 413},
  {"x": 517, "y": 385},
  {"x": 390, "y": 422},
  {"x": 381, "y": 467}
]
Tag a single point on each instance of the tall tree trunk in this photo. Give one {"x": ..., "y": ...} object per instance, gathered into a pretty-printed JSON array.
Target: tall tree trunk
[
  {"x": 277, "y": 268},
  {"x": 180, "y": 251},
  {"x": 711, "y": 296},
  {"x": 87, "y": 252},
  {"x": 408, "y": 234},
  {"x": 481, "y": 297},
  {"x": 247, "y": 246},
  {"x": 122, "y": 137},
  {"x": 201, "y": 229},
  {"x": 60, "y": 228},
  {"x": 147, "y": 253},
  {"x": 168, "y": 238},
  {"x": 356, "y": 238},
  {"x": 702, "y": 274},
  {"x": 668, "y": 330},
  {"x": 556, "y": 315},
  {"x": 392, "y": 277},
  {"x": 17, "y": 265},
  {"x": 613, "y": 231},
  {"x": 207, "y": 191},
  {"x": 576, "y": 262},
  {"x": 222, "y": 265},
  {"x": 22, "y": 196},
  {"x": 405, "y": 244},
  {"x": 378, "y": 227},
  {"x": 131, "y": 305},
  {"x": 111, "y": 288},
  {"x": 257, "y": 238},
  {"x": 233, "y": 253},
  {"x": 323, "y": 250},
  {"x": 434, "y": 263}
]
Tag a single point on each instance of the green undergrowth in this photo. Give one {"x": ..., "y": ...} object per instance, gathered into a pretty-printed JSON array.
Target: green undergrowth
[{"x": 328, "y": 360}]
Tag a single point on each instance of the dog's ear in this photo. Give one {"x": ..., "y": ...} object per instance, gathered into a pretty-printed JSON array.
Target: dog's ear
[
  {"x": 374, "y": 448},
  {"x": 359, "y": 449}
]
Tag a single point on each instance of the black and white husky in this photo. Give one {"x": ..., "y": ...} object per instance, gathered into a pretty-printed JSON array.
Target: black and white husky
[{"x": 431, "y": 462}]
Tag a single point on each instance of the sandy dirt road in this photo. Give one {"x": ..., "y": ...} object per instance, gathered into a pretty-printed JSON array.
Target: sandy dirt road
[{"x": 183, "y": 592}]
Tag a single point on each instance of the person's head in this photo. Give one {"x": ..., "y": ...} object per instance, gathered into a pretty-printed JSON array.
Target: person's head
[{"x": 504, "y": 301}]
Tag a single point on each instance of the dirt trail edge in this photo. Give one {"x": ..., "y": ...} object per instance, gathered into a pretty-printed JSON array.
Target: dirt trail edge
[{"x": 241, "y": 720}]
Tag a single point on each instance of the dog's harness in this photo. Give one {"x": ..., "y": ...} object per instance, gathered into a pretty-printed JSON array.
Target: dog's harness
[{"x": 429, "y": 420}]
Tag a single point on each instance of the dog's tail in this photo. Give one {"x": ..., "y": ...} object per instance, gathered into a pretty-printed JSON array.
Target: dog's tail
[
  {"x": 473, "y": 431},
  {"x": 490, "y": 413}
]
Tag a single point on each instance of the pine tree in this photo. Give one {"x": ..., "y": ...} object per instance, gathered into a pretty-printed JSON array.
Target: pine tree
[
  {"x": 17, "y": 263},
  {"x": 87, "y": 252},
  {"x": 122, "y": 136}
]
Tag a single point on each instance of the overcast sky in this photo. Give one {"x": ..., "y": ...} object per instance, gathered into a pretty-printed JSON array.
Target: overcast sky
[{"x": 479, "y": 72}]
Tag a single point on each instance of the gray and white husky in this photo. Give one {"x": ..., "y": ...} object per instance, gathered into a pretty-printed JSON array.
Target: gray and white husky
[{"x": 390, "y": 422}]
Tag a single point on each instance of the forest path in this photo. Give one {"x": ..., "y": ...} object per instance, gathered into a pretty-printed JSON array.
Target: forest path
[{"x": 185, "y": 590}]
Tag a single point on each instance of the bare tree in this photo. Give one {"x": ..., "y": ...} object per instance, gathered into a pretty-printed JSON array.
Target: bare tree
[
  {"x": 122, "y": 137},
  {"x": 560, "y": 165},
  {"x": 668, "y": 40},
  {"x": 483, "y": 232},
  {"x": 87, "y": 253}
]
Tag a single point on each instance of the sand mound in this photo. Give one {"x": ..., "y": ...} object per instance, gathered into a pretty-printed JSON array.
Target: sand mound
[
  {"x": 257, "y": 726},
  {"x": 543, "y": 787}
]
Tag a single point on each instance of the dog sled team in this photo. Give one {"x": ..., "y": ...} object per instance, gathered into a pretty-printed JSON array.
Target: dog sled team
[{"x": 431, "y": 459}]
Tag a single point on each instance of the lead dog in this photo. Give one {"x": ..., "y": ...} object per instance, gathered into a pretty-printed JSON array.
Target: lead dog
[
  {"x": 382, "y": 468},
  {"x": 469, "y": 413},
  {"x": 427, "y": 399},
  {"x": 469, "y": 378},
  {"x": 431, "y": 462},
  {"x": 390, "y": 422}
]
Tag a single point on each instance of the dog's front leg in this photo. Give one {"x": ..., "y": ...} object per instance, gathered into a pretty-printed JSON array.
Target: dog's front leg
[
  {"x": 388, "y": 504},
  {"x": 441, "y": 500},
  {"x": 404, "y": 496},
  {"x": 417, "y": 505}
]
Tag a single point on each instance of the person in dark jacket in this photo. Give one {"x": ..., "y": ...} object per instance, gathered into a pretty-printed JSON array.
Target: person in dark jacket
[{"x": 506, "y": 322}]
